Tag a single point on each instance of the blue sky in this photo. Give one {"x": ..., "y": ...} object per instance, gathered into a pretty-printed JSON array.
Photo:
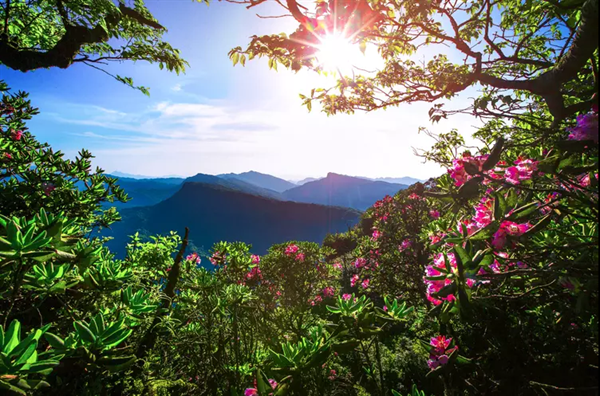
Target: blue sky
[{"x": 217, "y": 118}]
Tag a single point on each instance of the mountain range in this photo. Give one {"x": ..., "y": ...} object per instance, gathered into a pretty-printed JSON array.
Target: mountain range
[
  {"x": 215, "y": 212},
  {"x": 340, "y": 190},
  {"x": 334, "y": 189},
  {"x": 251, "y": 207}
]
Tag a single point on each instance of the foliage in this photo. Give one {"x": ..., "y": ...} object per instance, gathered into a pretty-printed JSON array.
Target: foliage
[
  {"x": 481, "y": 281},
  {"x": 42, "y": 34}
]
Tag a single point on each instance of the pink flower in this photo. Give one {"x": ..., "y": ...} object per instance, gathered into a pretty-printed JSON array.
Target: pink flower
[
  {"x": 16, "y": 135},
  {"x": 376, "y": 235},
  {"x": 251, "y": 392},
  {"x": 332, "y": 375},
  {"x": 353, "y": 280},
  {"x": 385, "y": 308},
  {"x": 346, "y": 296},
  {"x": 329, "y": 291},
  {"x": 439, "y": 355},
  {"x": 254, "y": 273},
  {"x": 434, "y": 214},
  {"x": 511, "y": 174},
  {"x": 436, "y": 238},
  {"x": 440, "y": 342},
  {"x": 300, "y": 257},
  {"x": 255, "y": 259},
  {"x": 508, "y": 228},
  {"x": 365, "y": 283},
  {"x": 433, "y": 363},
  {"x": 484, "y": 212},
  {"x": 273, "y": 383},
  {"x": 458, "y": 171},
  {"x": 404, "y": 245},
  {"x": 217, "y": 258},
  {"x": 360, "y": 262},
  {"x": 337, "y": 266},
  {"x": 526, "y": 168},
  {"x": 194, "y": 257},
  {"x": 290, "y": 249}
]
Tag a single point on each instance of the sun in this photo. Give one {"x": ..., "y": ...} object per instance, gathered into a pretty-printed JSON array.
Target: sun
[{"x": 337, "y": 53}]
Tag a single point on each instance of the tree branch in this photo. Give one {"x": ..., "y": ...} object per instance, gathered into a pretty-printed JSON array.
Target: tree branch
[{"x": 65, "y": 50}]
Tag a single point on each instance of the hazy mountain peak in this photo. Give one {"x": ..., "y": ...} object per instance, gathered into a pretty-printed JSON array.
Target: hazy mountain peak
[{"x": 261, "y": 180}]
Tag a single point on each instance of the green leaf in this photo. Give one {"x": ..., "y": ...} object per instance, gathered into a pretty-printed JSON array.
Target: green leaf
[
  {"x": 84, "y": 332},
  {"x": 463, "y": 259},
  {"x": 55, "y": 341},
  {"x": 262, "y": 383},
  {"x": 12, "y": 337},
  {"x": 116, "y": 338},
  {"x": 26, "y": 354},
  {"x": 486, "y": 232}
]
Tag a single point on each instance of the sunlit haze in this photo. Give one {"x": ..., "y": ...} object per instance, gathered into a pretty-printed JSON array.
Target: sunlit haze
[{"x": 217, "y": 118}]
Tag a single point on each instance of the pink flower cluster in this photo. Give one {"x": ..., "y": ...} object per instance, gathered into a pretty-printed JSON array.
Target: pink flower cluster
[
  {"x": 508, "y": 228},
  {"x": 376, "y": 235},
  {"x": 355, "y": 279},
  {"x": 16, "y": 135},
  {"x": 586, "y": 128},
  {"x": 254, "y": 274},
  {"x": 255, "y": 259},
  {"x": 416, "y": 197},
  {"x": 404, "y": 245},
  {"x": 440, "y": 353},
  {"x": 523, "y": 169},
  {"x": 329, "y": 291},
  {"x": 254, "y": 391},
  {"x": 194, "y": 257},
  {"x": 360, "y": 262},
  {"x": 458, "y": 171},
  {"x": 292, "y": 249},
  {"x": 434, "y": 214},
  {"x": 382, "y": 210},
  {"x": 218, "y": 258},
  {"x": 434, "y": 286}
]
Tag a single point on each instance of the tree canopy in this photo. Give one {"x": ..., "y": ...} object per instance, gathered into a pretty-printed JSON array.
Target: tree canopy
[
  {"x": 512, "y": 49},
  {"x": 56, "y": 33}
]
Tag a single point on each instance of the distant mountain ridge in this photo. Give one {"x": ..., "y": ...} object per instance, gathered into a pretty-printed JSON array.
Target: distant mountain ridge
[
  {"x": 341, "y": 190},
  {"x": 333, "y": 190},
  {"x": 260, "y": 179},
  {"x": 216, "y": 212},
  {"x": 235, "y": 184}
]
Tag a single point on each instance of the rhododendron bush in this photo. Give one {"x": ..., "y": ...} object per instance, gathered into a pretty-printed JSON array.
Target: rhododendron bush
[{"x": 482, "y": 281}]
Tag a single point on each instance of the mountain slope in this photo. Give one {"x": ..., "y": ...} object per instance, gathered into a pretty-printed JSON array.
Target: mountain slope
[
  {"x": 216, "y": 213},
  {"x": 340, "y": 190},
  {"x": 234, "y": 184},
  {"x": 261, "y": 180},
  {"x": 399, "y": 180},
  {"x": 146, "y": 192}
]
